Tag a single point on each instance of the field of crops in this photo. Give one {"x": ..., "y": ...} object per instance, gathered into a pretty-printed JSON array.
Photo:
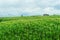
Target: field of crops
[{"x": 30, "y": 28}]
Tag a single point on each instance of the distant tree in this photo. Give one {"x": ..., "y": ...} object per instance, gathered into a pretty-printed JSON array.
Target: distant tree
[
  {"x": 45, "y": 14},
  {"x": 21, "y": 15}
]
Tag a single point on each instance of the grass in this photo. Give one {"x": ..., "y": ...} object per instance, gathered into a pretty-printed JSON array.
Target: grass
[{"x": 30, "y": 28}]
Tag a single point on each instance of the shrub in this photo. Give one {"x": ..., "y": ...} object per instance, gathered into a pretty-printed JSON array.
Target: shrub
[{"x": 45, "y": 14}]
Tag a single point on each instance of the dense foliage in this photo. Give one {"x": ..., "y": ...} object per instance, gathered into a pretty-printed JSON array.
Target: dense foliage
[{"x": 30, "y": 28}]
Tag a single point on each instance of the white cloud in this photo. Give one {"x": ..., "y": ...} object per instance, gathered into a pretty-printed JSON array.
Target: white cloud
[
  {"x": 31, "y": 7},
  {"x": 48, "y": 10},
  {"x": 51, "y": 11}
]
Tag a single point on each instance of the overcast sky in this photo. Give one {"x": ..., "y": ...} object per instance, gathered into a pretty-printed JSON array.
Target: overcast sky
[{"x": 29, "y": 7}]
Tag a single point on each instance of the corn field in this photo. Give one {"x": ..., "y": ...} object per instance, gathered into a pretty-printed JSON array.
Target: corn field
[{"x": 30, "y": 28}]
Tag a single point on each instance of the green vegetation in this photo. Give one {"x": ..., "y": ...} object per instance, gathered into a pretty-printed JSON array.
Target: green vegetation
[{"x": 30, "y": 28}]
